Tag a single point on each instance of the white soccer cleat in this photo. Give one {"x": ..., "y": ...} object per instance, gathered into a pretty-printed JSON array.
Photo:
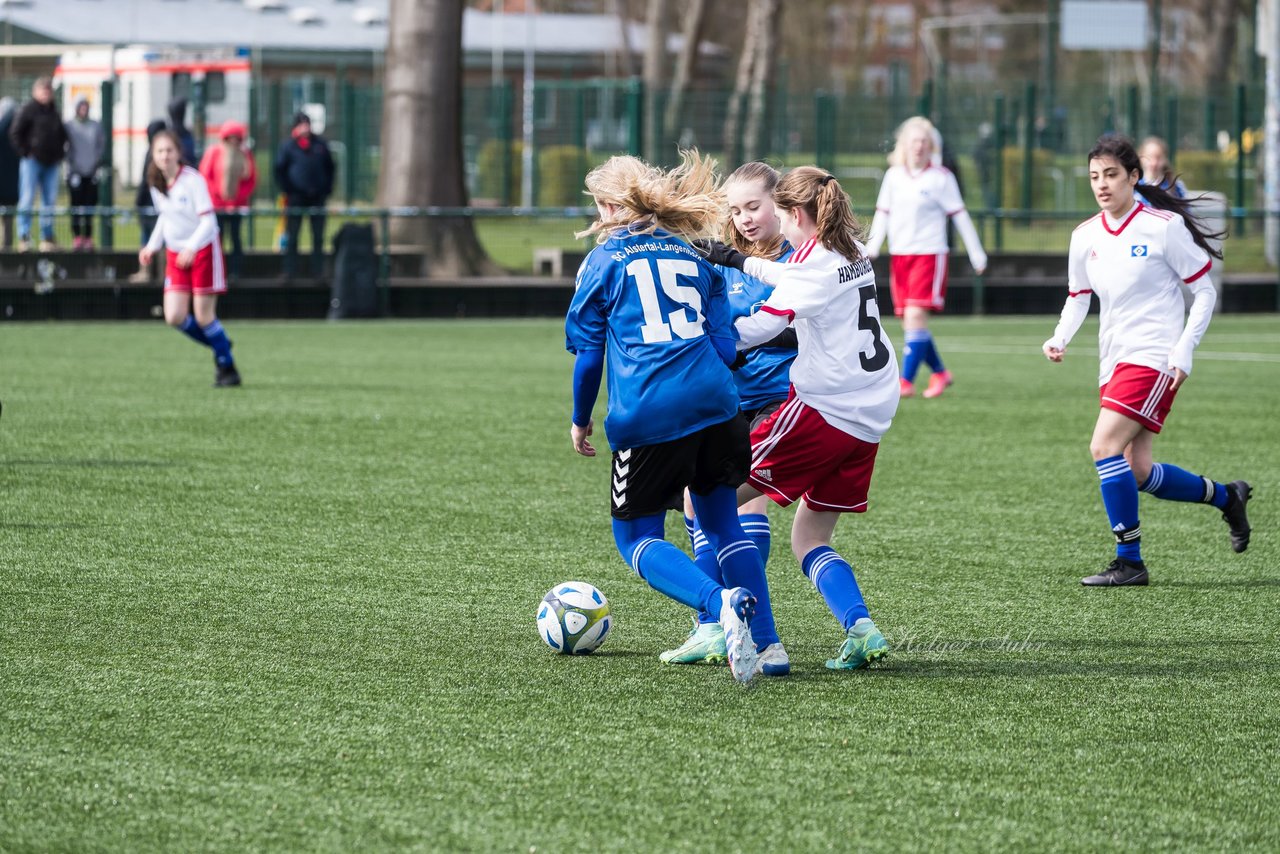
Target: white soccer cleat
[
  {"x": 773, "y": 661},
  {"x": 736, "y": 610}
]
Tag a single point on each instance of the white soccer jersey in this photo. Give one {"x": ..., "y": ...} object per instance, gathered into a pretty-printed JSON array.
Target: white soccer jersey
[
  {"x": 846, "y": 368},
  {"x": 917, "y": 205},
  {"x": 187, "y": 220},
  {"x": 1135, "y": 267}
]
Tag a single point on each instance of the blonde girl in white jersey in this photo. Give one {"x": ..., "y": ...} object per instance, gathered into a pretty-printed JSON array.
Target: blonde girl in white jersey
[
  {"x": 187, "y": 228},
  {"x": 821, "y": 445},
  {"x": 1137, "y": 257},
  {"x": 917, "y": 199}
]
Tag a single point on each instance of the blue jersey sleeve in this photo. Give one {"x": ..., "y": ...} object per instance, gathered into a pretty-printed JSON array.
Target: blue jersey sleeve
[
  {"x": 586, "y": 324},
  {"x": 718, "y": 317},
  {"x": 588, "y": 368}
]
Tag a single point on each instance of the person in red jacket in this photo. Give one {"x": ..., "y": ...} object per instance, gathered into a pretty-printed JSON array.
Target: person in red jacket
[{"x": 228, "y": 169}]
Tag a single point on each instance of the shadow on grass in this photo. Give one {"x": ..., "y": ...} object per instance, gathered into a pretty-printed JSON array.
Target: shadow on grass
[
  {"x": 326, "y": 388},
  {"x": 47, "y": 526},
  {"x": 90, "y": 464},
  {"x": 1225, "y": 582},
  {"x": 1022, "y": 669}
]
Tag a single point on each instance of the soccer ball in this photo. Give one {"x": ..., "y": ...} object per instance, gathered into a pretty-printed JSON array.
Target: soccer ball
[{"x": 573, "y": 618}]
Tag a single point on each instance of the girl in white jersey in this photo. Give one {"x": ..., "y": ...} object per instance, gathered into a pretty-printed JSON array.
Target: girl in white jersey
[
  {"x": 917, "y": 198},
  {"x": 821, "y": 445},
  {"x": 1136, "y": 256},
  {"x": 188, "y": 227}
]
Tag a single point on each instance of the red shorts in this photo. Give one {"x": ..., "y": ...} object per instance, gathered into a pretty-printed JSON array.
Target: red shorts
[
  {"x": 205, "y": 275},
  {"x": 795, "y": 453},
  {"x": 918, "y": 280},
  {"x": 1140, "y": 393}
]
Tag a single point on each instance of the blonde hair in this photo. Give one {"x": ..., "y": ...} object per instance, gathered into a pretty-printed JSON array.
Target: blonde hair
[
  {"x": 898, "y": 157},
  {"x": 768, "y": 177},
  {"x": 820, "y": 195},
  {"x": 684, "y": 201}
]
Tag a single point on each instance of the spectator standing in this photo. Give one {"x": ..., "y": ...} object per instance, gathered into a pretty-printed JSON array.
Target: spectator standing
[
  {"x": 304, "y": 171},
  {"x": 230, "y": 172},
  {"x": 8, "y": 169},
  {"x": 40, "y": 139},
  {"x": 178, "y": 124},
  {"x": 147, "y": 215},
  {"x": 86, "y": 145}
]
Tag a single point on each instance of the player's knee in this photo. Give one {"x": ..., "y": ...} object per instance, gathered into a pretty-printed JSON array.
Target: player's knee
[{"x": 174, "y": 319}]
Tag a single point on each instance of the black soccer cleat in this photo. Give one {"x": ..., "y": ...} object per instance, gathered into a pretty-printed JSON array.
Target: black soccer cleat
[
  {"x": 1119, "y": 573},
  {"x": 226, "y": 376},
  {"x": 1238, "y": 494}
]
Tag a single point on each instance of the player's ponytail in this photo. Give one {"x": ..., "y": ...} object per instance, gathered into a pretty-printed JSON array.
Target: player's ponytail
[
  {"x": 1120, "y": 149},
  {"x": 821, "y": 196},
  {"x": 683, "y": 201}
]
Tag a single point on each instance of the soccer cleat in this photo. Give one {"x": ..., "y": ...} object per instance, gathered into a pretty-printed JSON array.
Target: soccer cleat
[
  {"x": 773, "y": 661},
  {"x": 224, "y": 377},
  {"x": 862, "y": 645},
  {"x": 1238, "y": 495},
  {"x": 1119, "y": 573},
  {"x": 705, "y": 645},
  {"x": 737, "y": 608},
  {"x": 47, "y": 246},
  {"x": 906, "y": 388},
  {"x": 938, "y": 384}
]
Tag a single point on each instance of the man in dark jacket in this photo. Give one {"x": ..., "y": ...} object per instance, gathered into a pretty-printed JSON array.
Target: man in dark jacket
[
  {"x": 8, "y": 170},
  {"x": 40, "y": 139},
  {"x": 186, "y": 139},
  {"x": 304, "y": 171}
]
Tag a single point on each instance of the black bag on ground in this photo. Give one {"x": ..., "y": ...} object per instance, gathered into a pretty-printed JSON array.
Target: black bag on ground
[{"x": 355, "y": 273}]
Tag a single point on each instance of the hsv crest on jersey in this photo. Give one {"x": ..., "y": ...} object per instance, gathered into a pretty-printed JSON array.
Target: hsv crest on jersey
[{"x": 1138, "y": 251}]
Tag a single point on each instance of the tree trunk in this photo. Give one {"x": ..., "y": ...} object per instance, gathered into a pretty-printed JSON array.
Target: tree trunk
[
  {"x": 422, "y": 161},
  {"x": 761, "y": 78},
  {"x": 742, "y": 83},
  {"x": 695, "y": 17},
  {"x": 1220, "y": 20},
  {"x": 655, "y": 78},
  {"x": 626, "y": 58}
]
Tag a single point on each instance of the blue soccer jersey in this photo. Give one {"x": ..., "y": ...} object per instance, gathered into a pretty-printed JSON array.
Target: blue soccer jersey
[
  {"x": 653, "y": 304},
  {"x": 766, "y": 376}
]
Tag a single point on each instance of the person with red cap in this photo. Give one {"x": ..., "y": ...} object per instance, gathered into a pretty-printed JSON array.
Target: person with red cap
[{"x": 230, "y": 173}]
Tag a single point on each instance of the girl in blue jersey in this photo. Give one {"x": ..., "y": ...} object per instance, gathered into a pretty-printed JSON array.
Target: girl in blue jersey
[
  {"x": 649, "y": 304},
  {"x": 763, "y": 382}
]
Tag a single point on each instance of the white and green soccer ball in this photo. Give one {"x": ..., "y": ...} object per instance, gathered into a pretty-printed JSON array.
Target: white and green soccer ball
[{"x": 573, "y": 618}]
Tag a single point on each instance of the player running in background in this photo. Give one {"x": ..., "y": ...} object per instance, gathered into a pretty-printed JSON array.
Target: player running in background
[
  {"x": 821, "y": 445},
  {"x": 916, "y": 199},
  {"x": 1134, "y": 257},
  {"x": 763, "y": 382},
  {"x": 647, "y": 302},
  {"x": 194, "y": 273},
  {"x": 1156, "y": 169}
]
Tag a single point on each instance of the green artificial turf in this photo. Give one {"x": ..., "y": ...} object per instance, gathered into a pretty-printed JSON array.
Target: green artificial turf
[{"x": 301, "y": 614}]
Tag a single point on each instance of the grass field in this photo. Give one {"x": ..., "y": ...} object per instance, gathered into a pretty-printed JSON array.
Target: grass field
[{"x": 300, "y": 615}]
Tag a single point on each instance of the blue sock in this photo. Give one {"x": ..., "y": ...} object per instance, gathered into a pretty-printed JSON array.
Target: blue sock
[
  {"x": 704, "y": 557},
  {"x": 833, "y": 577},
  {"x": 1174, "y": 484},
  {"x": 931, "y": 357},
  {"x": 915, "y": 343},
  {"x": 666, "y": 569},
  {"x": 192, "y": 330},
  {"x": 220, "y": 343},
  {"x": 1120, "y": 498},
  {"x": 756, "y": 526},
  {"x": 739, "y": 559}
]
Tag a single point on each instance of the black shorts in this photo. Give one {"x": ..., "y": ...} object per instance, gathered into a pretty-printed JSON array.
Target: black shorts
[
  {"x": 760, "y": 413},
  {"x": 651, "y": 479}
]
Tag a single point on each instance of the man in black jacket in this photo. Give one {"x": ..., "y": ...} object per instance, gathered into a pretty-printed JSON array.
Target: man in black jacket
[
  {"x": 40, "y": 139},
  {"x": 304, "y": 171}
]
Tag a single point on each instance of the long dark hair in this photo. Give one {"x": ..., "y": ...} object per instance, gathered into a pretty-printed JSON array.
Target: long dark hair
[
  {"x": 1121, "y": 149},
  {"x": 156, "y": 178}
]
